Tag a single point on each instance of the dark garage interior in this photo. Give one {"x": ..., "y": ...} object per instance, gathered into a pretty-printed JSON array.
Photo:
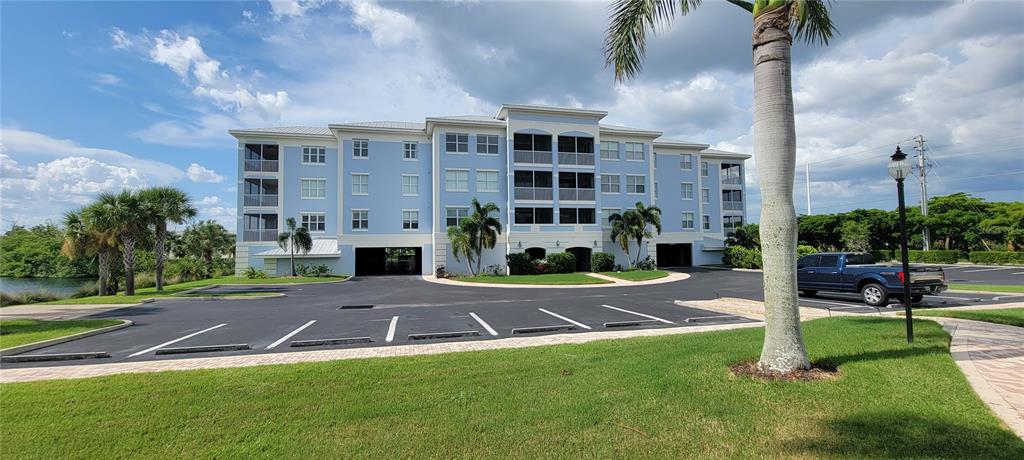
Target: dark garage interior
[
  {"x": 388, "y": 261},
  {"x": 675, "y": 255}
]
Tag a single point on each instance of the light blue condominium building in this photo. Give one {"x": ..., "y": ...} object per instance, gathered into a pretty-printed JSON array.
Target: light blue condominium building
[{"x": 378, "y": 196}]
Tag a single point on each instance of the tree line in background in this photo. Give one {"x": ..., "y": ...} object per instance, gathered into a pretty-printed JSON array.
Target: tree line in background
[
  {"x": 961, "y": 227},
  {"x": 117, "y": 236}
]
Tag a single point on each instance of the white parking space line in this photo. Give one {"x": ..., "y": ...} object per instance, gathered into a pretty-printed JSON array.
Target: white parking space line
[
  {"x": 172, "y": 342},
  {"x": 391, "y": 329},
  {"x": 556, "y": 315},
  {"x": 965, "y": 299},
  {"x": 290, "y": 334},
  {"x": 1018, "y": 273},
  {"x": 639, "y": 314},
  {"x": 484, "y": 324},
  {"x": 987, "y": 270}
]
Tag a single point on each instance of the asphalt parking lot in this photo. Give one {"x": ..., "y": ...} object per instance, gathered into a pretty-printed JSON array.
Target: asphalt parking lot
[
  {"x": 973, "y": 274},
  {"x": 386, "y": 311}
]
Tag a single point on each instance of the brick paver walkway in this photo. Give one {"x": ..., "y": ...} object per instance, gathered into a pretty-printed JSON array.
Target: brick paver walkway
[{"x": 992, "y": 358}]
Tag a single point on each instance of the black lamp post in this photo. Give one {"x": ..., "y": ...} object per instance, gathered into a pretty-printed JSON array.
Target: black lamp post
[{"x": 899, "y": 169}]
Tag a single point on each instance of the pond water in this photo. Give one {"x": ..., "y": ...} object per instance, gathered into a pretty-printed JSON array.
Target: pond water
[{"x": 60, "y": 286}]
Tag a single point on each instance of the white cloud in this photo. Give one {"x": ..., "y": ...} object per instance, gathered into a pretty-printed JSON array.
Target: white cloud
[
  {"x": 199, "y": 173},
  {"x": 292, "y": 8},
  {"x": 107, "y": 79},
  {"x": 69, "y": 34},
  {"x": 121, "y": 39},
  {"x": 222, "y": 214},
  {"x": 387, "y": 27},
  {"x": 210, "y": 200}
]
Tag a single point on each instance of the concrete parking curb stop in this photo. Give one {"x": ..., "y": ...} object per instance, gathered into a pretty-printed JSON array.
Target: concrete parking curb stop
[{"x": 46, "y": 343}]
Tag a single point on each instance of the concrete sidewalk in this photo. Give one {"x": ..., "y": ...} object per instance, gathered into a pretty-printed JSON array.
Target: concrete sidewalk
[{"x": 55, "y": 312}]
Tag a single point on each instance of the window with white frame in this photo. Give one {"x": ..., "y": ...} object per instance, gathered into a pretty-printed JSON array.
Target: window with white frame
[
  {"x": 686, "y": 190},
  {"x": 634, "y": 151},
  {"x": 686, "y": 162},
  {"x": 610, "y": 183},
  {"x": 706, "y": 220},
  {"x": 606, "y": 214},
  {"x": 636, "y": 185},
  {"x": 487, "y": 144},
  {"x": 315, "y": 222},
  {"x": 705, "y": 196},
  {"x": 456, "y": 180},
  {"x": 360, "y": 184},
  {"x": 609, "y": 150},
  {"x": 409, "y": 151},
  {"x": 456, "y": 143},
  {"x": 453, "y": 216},
  {"x": 360, "y": 148},
  {"x": 687, "y": 221},
  {"x": 703, "y": 169},
  {"x": 313, "y": 188},
  {"x": 410, "y": 219},
  {"x": 410, "y": 185},
  {"x": 360, "y": 219},
  {"x": 313, "y": 155},
  {"x": 486, "y": 181}
]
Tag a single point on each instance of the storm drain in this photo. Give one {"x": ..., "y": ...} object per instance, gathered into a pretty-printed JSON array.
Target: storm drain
[
  {"x": 321, "y": 342},
  {"x": 53, "y": 357},
  {"x": 697, "y": 319},
  {"x": 202, "y": 349},
  {"x": 444, "y": 335},
  {"x": 355, "y": 307},
  {"x": 537, "y": 329},
  {"x": 640, "y": 322}
]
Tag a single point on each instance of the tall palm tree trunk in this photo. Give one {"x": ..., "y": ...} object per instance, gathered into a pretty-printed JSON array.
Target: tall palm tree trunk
[
  {"x": 775, "y": 151},
  {"x": 129, "y": 264},
  {"x": 293, "y": 258},
  {"x": 159, "y": 254},
  {"x": 103, "y": 271}
]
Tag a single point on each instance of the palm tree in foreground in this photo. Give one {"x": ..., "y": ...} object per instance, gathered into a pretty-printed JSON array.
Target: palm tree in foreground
[
  {"x": 645, "y": 215},
  {"x": 486, "y": 228},
  {"x": 206, "y": 239},
  {"x": 83, "y": 239},
  {"x": 776, "y": 23},
  {"x": 295, "y": 238},
  {"x": 460, "y": 237},
  {"x": 165, "y": 204},
  {"x": 622, "y": 225},
  {"x": 123, "y": 215}
]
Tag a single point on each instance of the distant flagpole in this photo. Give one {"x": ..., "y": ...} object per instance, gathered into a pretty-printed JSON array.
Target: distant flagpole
[{"x": 807, "y": 177}]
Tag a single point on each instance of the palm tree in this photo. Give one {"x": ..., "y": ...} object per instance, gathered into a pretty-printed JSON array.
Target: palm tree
[
  {"x": 745, "y": 236},
  {"x": 295, "y": 237},
  {"x": 645, "y": 215},
  {"x": 204, "y": 240},
  {"x": 460, "y": 237},
  {"x": 123, "y": 215},
  {"x": 776, "y": 23},
  {"x": 83, "y": 239},
  {"x": 485, "y": 228},
  {"x": 622, "y": 224},
  {"x": 165, "y": 204}
]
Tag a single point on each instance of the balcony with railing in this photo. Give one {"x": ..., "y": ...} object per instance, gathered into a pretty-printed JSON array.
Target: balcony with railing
[
  {"x": 732, "y": 180},
  {"x": 534, "y": 193},
  {"x": 576, "y": 194},
  {"x": 575, "y": 159},
  {"x": 267, "y": 234},
  {"x": 532, "y": 157},
  {"x": 261, "y": 165},
  {"x": 260, "y": 200},
  {"x": 732, "y": 205}
]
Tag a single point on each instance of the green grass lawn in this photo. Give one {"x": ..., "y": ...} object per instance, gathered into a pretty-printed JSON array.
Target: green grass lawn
[
  {"x": 173, "y": 289},
  {"x": 1008, "y": 316},
  {"x": 551, "y": 279},
  {"x": 15, "y": 332},
  {"x": 655, "y": 397},
  {"x": 988, "y": 287},
  {"x": 637, "y": 275}
]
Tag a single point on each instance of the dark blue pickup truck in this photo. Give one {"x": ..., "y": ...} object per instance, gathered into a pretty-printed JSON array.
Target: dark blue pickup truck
[{"x": 857, "y": 272}]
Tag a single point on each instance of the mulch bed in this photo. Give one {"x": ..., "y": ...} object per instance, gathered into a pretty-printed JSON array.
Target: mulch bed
[{"x": 818, "y": 371}]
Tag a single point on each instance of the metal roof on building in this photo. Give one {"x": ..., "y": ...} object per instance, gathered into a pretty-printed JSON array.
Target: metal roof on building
[{"x": 321, "y": 248}]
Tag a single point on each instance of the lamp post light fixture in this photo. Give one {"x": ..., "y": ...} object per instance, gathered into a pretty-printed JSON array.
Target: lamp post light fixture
[{"x": 899, "y": 169}]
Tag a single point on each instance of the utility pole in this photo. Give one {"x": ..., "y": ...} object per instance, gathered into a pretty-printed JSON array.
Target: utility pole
[
  {"x": 922, "y": 177},
  {"x": 807, "y": 177}
]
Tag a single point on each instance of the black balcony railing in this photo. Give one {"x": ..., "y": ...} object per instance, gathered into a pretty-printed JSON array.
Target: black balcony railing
[
  {"x": 576, "y": 159},
  {"x": 532, "y": 157},
  {"x": 533, "y": 193},
  {"x": 260, "y": 235},
  {"x": 260, "y": 165},
  {"x": 264, "y": 200},
  {"x": 576, "y": 194}
]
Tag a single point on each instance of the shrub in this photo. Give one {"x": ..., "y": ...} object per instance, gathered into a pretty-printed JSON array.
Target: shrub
[
  {"x": 539, "y": 267},
  {"x": 254, "y": 273},
  {"x": 86, "y": 290},
  {"x": 26, "y": 297},
  {"x": 562, "y": 262},
  {"x": 313, "y": 270},
  {"x": 805, "y": 250},
  {"x": 187, "y": 268},
  {"x": 883, "y": 255},
  {"x": 494, "y": 270},
  {"x": 602, "y": 262},
  {"x": 646, "y": 264},
  {"x": 935, "y": 257},
  {"x": 997, "y": 257},
  {"x": 741, "y": 257},
  {"x": 145, "y": 280},
  {"x": 519, "y": 263}
]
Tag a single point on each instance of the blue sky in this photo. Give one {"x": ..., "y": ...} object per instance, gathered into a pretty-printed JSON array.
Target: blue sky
[{"x": 100, "y": 96}]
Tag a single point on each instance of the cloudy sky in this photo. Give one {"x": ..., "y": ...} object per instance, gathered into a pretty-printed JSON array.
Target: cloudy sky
[{"x": 101, "y": 96}]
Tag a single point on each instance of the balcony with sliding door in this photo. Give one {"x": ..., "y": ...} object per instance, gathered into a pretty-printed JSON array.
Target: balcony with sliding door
[
  {"x": 533, "y": 186},
  {"x": 260, "y": 193},
  {"x": 732, "y": 201},
  {"x": 573, "y": 186},
  {"x": 731, "y": 175},
  {"x": 532, "y": 149},
  {"x": 261, "y": 158},
  {"x": 576, "y": 151},
  {"x": 259, "y": 227}
]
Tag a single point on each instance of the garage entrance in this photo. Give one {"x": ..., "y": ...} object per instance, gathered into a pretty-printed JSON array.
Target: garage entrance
[
  {"x": 582, "y": 258},
  {"x": 388, "y": 261},
  {"x": 675, "y": 255}
]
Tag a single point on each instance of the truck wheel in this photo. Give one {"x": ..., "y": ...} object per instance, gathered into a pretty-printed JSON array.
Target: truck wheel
[
  {"x": 916, "y": 298},
  {"x": 874, "y": 294},
  {"x": 809, "y": 292}
]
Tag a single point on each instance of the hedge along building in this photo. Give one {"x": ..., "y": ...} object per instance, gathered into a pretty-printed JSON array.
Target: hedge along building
[{"x": 378, "y": 197}]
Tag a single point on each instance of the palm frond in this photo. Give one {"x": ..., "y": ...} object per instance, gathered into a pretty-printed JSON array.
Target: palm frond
[
  {"x": 625, "y": 43},
  {"x": 813, "y": 23}
]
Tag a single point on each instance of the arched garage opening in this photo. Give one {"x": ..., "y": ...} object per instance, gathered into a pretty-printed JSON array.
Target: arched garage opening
[{"x": 582, "y": 258}]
